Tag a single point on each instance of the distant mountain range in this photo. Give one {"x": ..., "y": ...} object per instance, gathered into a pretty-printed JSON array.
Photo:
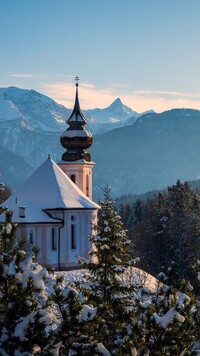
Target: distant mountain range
[
  {"x": 151, "y": 154},
  {"x": 37, "y": 112},
  {"x": 143, "y": 153}
]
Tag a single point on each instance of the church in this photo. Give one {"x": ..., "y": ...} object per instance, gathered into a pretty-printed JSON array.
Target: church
[{"x": 53, "y": 208}]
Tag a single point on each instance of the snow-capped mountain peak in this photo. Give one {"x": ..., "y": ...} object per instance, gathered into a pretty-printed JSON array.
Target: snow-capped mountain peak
[
  {"x": 115, "y": 115},
  {"x": 31, "y": 109},
  {"x": 37, "y": 112},
  {"x": 116, "y": 103},
  {"x": 118, "y": 108}
]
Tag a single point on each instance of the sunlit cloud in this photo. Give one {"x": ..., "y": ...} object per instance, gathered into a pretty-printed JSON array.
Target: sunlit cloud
[
  {"x": 167, "y": 94},
  {"x": 163, "y": 100},
  {"x": 90, "y": 96},
  {"x": 141, "y": 100},
  {"x": 62, "y": 90},
  {"x": 28, "y": 76}
]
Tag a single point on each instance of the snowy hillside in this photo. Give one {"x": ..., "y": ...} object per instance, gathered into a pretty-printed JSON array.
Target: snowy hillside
[
  {"x": 134, "y": 275},
  {"x": 34, "y": 111}
]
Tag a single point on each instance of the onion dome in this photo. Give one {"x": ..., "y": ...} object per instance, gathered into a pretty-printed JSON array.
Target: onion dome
[{"x": 76, "y": 139}]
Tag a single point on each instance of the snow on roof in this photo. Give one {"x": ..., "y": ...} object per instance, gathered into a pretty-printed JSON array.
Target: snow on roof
[{"x": 47, "y": 188}]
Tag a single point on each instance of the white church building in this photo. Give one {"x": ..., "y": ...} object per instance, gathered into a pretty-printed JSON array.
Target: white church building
[{"x": 54, "y": 208}]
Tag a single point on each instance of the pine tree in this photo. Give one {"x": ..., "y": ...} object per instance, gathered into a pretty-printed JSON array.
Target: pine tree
[
  {"x": 76, "y": 331},
  {"x": 106, "y": 288},
  {"x": 169, "y": 232},
  {"x": 168, "y": 321},
  {"x": 23, "y": 313}
]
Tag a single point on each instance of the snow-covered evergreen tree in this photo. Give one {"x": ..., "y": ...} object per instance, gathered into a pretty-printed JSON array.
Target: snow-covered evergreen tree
[
  {"x": 76, "y": 330},
  {"x": 23, "y": 313},
  {"x": 167, "y": 323},
  {"x": 169, "y": 232},
  {"x": 106, "y": 289}
]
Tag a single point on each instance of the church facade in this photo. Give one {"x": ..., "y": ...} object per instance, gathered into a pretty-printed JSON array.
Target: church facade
[{"x": 54, "y": 208}]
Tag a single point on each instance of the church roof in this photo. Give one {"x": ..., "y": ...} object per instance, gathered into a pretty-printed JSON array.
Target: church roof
[{"x": 47, "y": 188}]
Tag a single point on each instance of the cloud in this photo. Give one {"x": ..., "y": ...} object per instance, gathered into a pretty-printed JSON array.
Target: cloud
[
  {"x": 28, "y": 76},
  {"x": 164, "y": 100},
  {"x": 62, "y": 90},
  {"x": 167, "y": 94},
  {"x": 90, "y": 96},
  {"x": 140, "y": 100}
]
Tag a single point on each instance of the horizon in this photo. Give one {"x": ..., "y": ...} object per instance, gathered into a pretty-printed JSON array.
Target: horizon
[
  {"x": 101, "y": 108},
  {"x": 145, "y": 53}
]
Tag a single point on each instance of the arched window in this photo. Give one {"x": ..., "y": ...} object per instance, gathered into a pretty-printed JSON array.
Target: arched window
[
  {"x": 87, "y": 185},
  {"x": 53, "y": 239},
  {"x": 73, "y": 233},
  {"x": 73, "y": 178},
  {"x": 31, "y": 237}
]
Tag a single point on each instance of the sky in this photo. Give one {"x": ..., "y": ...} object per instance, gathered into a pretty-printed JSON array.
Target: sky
[{"x": 146, "y": 52}]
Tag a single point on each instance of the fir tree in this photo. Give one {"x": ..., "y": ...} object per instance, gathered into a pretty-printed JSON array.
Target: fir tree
[
  {"x": 23, "y": 313},
  {"x": 75, "y": 334},
  {"x": 169, "y": 232},
  {"x": 106, "y": 288},
  {"x": 167, "y": 321}
]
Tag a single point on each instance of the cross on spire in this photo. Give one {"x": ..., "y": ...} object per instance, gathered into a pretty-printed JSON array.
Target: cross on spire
[{"x": 76, "y": 80}]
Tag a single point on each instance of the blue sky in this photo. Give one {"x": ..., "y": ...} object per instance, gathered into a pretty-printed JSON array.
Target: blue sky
[{"x": 147, "y": 52}]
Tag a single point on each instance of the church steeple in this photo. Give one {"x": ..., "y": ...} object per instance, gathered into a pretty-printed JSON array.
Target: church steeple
[
  {"x": 77, "y": 116},
  {"x": 76, "y": 139}
]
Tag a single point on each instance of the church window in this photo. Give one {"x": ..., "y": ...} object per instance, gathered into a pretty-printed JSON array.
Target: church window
[
  {"x": 87, "y": 185},
  {"x": 31, "y": 238},
  {"x": 53, "y": 240},
  {"x": 73, "y": 178},
  {"x": 22, "y": 211},
  {"x": 73, "y": 233}
]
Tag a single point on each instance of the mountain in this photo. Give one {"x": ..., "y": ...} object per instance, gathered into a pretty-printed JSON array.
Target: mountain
[
  {"x": 13, "y": 169},
  {"x": 37, "y": 112},
  {"x": 151, "y": 154},
  {"x": 115, "y": 115},
  {"x": 33, "y": 111},
  {"x": 31, "y": 124}
]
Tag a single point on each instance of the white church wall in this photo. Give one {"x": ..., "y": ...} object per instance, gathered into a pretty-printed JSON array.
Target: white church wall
[
  {"x": 52, "y": 245},
  {"x": 74, "y": 234}
]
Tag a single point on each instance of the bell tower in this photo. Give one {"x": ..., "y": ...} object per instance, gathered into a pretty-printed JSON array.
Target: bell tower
[{"x": 76, "y": 161}]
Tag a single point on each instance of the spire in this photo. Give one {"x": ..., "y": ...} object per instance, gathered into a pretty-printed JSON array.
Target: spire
[
  {"x": 76, "y": 139},
  {"x": 77, "y": 116}
]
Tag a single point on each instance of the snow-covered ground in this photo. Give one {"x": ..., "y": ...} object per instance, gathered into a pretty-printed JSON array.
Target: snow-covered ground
[{"x": 133, "y": 275}]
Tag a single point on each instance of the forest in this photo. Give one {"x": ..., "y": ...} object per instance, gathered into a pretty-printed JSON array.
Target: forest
[
  {"x": 165, "y": 231},
  {"x": 106, "y": 313}
]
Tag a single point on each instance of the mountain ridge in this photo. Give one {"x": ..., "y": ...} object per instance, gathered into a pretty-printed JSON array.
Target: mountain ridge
[
  {"x": 152, "y": 152},
  {"x": 40, "y": 112}
]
